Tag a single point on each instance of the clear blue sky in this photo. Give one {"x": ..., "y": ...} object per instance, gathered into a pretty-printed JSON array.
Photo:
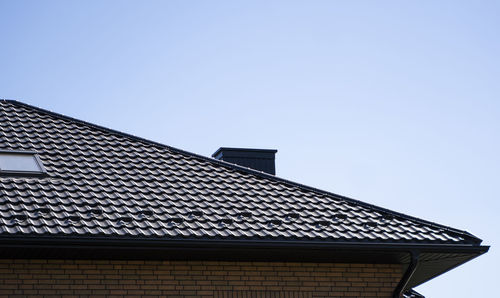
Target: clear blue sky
[{"x": 395, "y": 103}]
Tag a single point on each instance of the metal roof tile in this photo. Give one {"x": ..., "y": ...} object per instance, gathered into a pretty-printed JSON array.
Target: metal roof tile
[{"x": 92, "y": 168}]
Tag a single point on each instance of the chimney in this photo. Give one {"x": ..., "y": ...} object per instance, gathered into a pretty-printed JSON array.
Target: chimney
[{"x": 257, "y": 159}]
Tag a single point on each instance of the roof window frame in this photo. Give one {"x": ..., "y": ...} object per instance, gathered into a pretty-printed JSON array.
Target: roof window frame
[{"x": 19, "y": 173}]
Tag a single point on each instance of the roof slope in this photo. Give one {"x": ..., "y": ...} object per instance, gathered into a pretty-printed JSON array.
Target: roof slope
[{"x": 103, "y": 183}]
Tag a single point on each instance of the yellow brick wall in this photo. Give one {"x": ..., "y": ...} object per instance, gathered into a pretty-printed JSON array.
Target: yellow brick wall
[{"x": 85, "y": 278}]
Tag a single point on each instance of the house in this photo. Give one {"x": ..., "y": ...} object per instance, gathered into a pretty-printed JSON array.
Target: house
[{"x": 89, "y": 211}]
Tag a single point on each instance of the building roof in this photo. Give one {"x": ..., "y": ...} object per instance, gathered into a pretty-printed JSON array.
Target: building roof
[{"x": 103, "y": 184}]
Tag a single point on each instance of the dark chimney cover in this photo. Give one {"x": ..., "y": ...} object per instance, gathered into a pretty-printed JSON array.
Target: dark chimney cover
[{"x": 257, "y": 159}]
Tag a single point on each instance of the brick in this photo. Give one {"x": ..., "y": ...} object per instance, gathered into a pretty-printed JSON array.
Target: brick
[{"x": 198, "y": 278}]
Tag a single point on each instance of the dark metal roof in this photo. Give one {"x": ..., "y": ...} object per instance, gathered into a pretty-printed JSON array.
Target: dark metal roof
[{"x": 103, "y": 183}]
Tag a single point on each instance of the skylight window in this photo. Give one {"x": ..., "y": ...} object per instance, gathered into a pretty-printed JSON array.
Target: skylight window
[{"x": 20, "y": 163}]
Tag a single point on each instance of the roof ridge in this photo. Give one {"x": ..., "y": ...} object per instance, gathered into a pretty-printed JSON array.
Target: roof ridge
[{"x": 245, "y": 170}]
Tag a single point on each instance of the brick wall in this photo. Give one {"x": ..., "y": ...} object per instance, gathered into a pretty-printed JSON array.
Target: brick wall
[{"x": 184, "y": 279}]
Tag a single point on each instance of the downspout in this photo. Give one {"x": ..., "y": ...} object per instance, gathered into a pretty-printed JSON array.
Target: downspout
[{"x": 398, "y": 292}]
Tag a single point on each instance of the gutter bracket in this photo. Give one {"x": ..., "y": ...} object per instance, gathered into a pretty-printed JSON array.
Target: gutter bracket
[{"x": 398, "y": 292}]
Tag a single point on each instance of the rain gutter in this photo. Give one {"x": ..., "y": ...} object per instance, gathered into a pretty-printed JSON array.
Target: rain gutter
[{"x": 398, "y": 292}]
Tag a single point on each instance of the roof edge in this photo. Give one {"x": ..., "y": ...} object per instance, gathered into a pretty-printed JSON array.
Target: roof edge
[
  {"x": 255, "y": 243},
  {"x": 477, "y": 241}
]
